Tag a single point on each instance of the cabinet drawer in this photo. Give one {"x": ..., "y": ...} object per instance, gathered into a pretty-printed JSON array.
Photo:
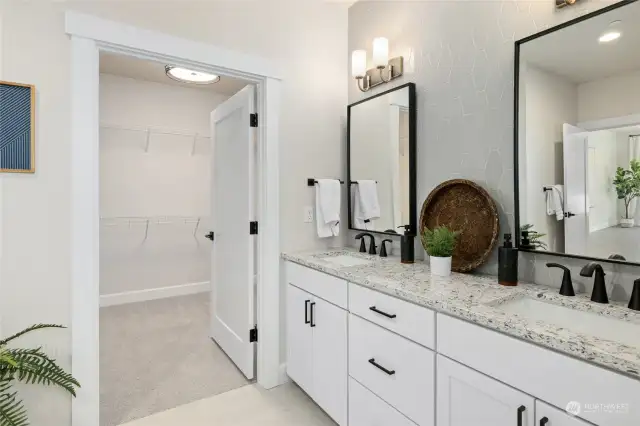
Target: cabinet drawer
[
  {"x": 546, "y": 415},
  {"x": 327, "y": 287},
  {"x": 366, "y": 409},
  {"x": 411, "y": 321},
  {"x": 398, "y": 370}
]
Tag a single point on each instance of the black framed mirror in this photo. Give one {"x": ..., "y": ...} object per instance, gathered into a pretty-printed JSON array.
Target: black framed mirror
[
  {"x": 577, "y": 137},
  {"x": 381, "y": 162}
]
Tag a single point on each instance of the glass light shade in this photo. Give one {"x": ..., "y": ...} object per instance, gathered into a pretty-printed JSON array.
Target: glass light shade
[
  {"x": 358, "y": 63},
  {"x": 612, "y": 33},
  {"x": 380, "y": 52},
  {"x": 185, "y": 75},
  {"x": 609, "y": 36}
]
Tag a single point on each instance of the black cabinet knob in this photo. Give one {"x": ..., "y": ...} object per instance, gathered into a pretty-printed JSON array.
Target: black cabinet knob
[{"x": 210, "y": 236}]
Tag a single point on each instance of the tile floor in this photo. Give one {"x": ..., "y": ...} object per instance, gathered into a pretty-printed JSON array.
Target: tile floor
[{"x": 285, "y": 405}]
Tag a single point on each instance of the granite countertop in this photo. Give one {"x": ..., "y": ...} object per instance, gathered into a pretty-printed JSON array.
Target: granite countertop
[{"x": 477, "y": 298}]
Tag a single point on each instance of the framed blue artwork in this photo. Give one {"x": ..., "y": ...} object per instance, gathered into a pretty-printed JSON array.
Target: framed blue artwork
[{"x": 17, "y": 128}]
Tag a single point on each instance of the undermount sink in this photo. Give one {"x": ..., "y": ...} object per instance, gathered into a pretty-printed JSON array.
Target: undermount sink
[
  {"x": 346, "y": 260},
  {"x": 582, "y": 322}
]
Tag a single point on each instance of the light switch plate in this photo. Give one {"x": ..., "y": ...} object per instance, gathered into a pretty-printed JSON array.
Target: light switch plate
[{"x": 308, "y": 214}]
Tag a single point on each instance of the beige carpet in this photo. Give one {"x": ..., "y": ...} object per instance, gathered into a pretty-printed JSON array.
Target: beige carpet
[{"x": 157, "y": 355}]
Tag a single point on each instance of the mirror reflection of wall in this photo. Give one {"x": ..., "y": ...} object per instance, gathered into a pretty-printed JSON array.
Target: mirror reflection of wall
[
  {"x": 379, "y": 169},
  {"x": 578, "y": 122}
]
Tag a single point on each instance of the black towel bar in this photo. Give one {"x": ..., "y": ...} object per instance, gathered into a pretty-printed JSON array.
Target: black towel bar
[{"x": 312, "y": 182}]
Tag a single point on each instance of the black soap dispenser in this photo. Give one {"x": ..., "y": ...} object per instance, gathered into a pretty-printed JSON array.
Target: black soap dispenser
[
  {"x": 508, "y": 263},
  {"x": 407, "y": 249}
]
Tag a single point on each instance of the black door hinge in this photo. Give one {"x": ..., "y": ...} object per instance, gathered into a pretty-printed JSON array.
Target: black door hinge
[
  {"x": 253, "y": 334},
  {"x": 253, "y": 120},
  {"x": 253, "y": 228}
]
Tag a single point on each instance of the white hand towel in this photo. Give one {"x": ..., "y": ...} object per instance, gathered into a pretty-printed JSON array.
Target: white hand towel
[
  {"x": 328, "y": 207},
  {"x": 367, "y": 196},
  {"x": 555, "y": 201}
]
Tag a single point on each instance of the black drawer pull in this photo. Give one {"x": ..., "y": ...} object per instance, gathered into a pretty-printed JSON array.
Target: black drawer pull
[
  {"x": 313, "y": 324},
  {"x": 544, "y": 421},
  {"x": 373, "y": 362},
  {"x": 520, "y": 411},
  {"x": 373, "y": 308},
  {"x": 306, "y": 311}
]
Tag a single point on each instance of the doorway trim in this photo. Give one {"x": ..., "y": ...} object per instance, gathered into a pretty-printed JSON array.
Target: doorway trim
[{"x": 89, "y": 35}]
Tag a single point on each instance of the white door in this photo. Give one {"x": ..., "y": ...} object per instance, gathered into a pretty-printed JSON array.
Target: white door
[
  {"x": 232, "y": 208},
  {"x": 546, "y": 415},
  {"x": 299, "y": 338},
  {"x": 466, "y": 397},
  {"x": 330, "y": 357},
  {"x": 576, "y": 224}
]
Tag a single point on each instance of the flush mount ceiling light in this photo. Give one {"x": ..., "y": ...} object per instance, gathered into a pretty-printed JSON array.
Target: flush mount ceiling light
[
  {"x": 185, "y": 75},
  {"x": 612, "y": 33}
]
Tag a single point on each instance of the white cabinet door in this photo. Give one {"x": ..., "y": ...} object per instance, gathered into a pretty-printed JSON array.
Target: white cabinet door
[
  {"x": 547, "y": 415},
  {"x": 367, "y": 409},
  {"x": 299, "y": 338},
  {"x": 466, "y": 397},
  {"x": 329, "y": 325}
]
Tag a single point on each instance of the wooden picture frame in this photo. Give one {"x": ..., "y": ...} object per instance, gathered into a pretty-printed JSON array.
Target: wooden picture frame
[{"x": 17, "y": 127}]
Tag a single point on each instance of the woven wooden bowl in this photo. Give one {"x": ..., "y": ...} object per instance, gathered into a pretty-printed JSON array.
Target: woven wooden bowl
[{"x": 462, "y": 205}]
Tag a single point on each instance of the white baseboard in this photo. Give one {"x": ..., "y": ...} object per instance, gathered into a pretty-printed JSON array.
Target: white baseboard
[{"x": 153, "y": 294}]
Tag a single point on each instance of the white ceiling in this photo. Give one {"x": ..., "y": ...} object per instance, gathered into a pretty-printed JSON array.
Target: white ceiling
[
  {"x": 575, "y": 53},
  {"x": 141, "y": 69}
]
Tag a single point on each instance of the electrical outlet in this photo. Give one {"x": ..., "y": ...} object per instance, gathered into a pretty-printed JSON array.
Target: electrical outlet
[{"x": 308, "y": 214}]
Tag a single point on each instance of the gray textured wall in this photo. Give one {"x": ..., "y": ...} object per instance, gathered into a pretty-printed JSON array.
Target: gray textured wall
[{"x": 460, "y": 55}]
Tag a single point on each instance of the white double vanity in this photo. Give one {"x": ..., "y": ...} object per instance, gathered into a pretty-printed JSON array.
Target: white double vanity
[{"x": 378, "y": 343}]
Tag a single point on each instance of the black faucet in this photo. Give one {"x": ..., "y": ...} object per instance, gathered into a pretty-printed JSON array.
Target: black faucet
[
  {"x": 383, "y": 247},
  {"x": 567, "y": 285},
  {"x": 599, "y": 293},
  {"x": 363, "y": 247}
]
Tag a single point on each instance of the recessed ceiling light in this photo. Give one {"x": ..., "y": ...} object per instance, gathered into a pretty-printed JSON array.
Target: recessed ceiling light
[
  {"x": 185, "y": 75},
  {"x": 612, "y": 33}
]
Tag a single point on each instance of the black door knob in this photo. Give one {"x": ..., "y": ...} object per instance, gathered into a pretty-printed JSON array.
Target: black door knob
[
  {"x": 568, "y": 214},
  {"x": 210, "y": 236}
]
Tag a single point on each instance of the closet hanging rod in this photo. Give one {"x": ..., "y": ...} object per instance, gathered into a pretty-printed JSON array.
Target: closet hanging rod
[{"x": 155, "y": 130}]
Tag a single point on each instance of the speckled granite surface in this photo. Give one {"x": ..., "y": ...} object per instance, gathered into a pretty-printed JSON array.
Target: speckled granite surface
[{"x": 478, "y": 299}]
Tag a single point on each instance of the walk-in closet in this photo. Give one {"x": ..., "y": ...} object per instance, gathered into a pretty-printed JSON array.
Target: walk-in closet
[{"x": 155, "y": 260}]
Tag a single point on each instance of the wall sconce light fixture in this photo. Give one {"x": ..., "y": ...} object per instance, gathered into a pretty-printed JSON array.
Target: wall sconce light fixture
[
  {"x": 385, "y": 69},
  {"x": 563, "y": 3}
]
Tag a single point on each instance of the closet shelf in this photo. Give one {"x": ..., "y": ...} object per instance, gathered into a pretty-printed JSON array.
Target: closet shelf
[
  {"x": 148, "y": 131},
  {"x": 112, "y": 221}
]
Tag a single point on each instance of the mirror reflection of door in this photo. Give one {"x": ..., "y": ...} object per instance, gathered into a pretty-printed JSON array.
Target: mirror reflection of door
[
  {"x": 580, "y": 91},
  {"x": 380, "y": 162}
]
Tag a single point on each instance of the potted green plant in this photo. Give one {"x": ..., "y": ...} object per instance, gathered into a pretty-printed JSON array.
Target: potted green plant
[
  {"x": 627, "y": 184},
  {"x": 440, "y": 244},
  {"x": 31, "y": 366}
]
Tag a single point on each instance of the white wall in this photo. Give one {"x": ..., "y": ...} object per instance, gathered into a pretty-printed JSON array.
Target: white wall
[
  {"x": 307, "y": 39},
  {"x": 550, "y": 101},
  {"x": 166, "y": 181},
  {"x": 601, "y": 168},
  {"x": 615, "y": 96}
]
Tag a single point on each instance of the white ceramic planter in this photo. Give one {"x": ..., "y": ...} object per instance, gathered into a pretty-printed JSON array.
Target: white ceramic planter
[
  {"x": 627, "y": 223},
  {"x": 440, "y": 266}
]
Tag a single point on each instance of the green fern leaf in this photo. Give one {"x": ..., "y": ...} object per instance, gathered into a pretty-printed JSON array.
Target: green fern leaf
[
  {"x": 35, "y": 367},
  {"x": 12, "y": 411},
  {"x": 29, "y": 330}
]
